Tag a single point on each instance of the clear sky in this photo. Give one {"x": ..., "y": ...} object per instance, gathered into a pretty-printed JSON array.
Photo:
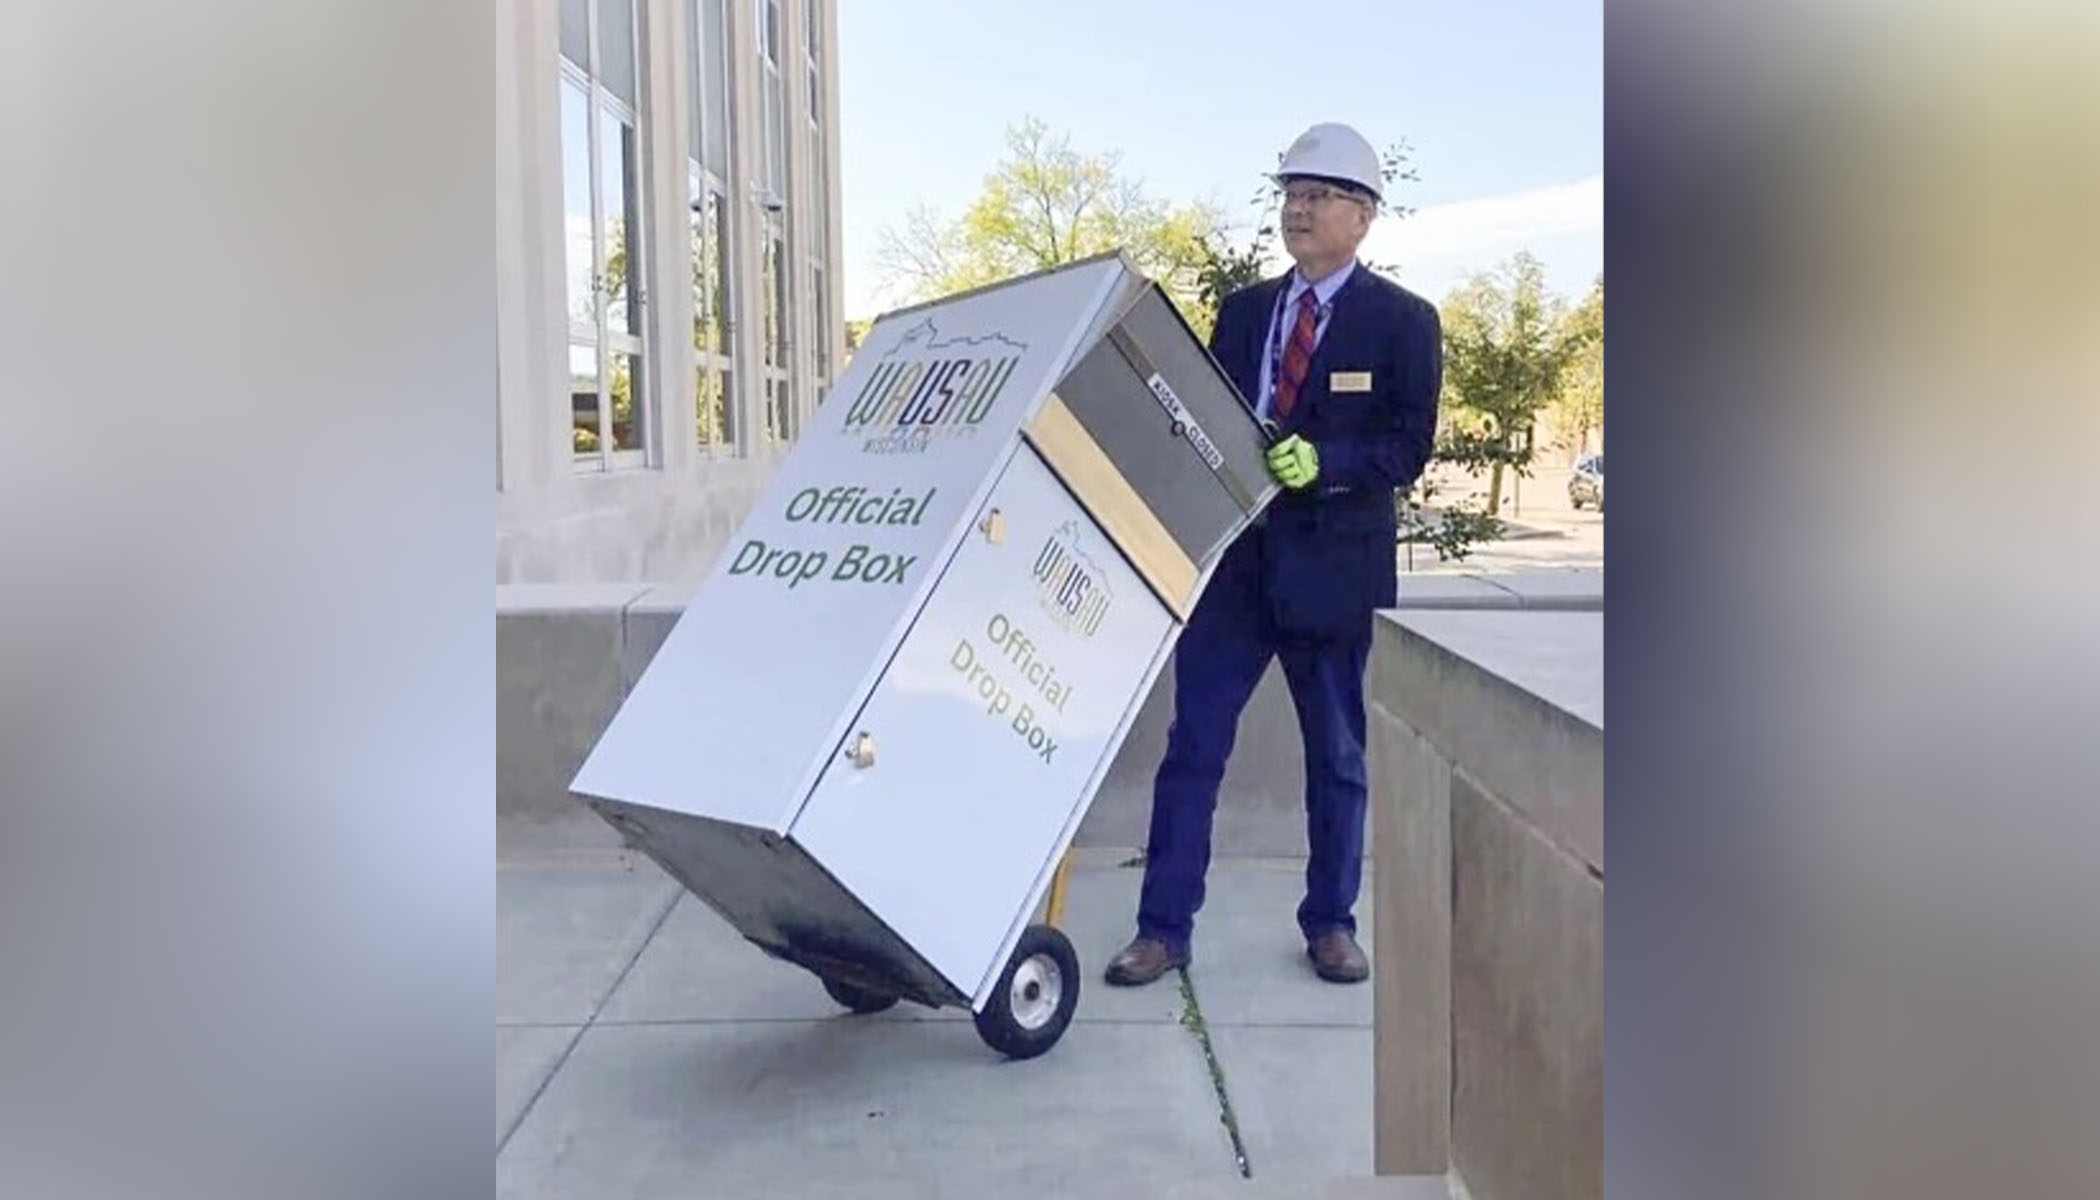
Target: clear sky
[{"x": 1501, "y": 101}]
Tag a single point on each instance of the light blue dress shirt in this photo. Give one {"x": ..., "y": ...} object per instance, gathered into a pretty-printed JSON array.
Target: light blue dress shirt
[{"x": 1282, "y": 317}]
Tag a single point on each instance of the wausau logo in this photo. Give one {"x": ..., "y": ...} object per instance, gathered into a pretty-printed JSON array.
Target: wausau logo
[
  {"x": 925, "y": 388},
  {"x": 1071, "y": 587}
]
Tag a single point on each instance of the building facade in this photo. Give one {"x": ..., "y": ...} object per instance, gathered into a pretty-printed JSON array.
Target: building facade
[{"x": 667, "y": 216}]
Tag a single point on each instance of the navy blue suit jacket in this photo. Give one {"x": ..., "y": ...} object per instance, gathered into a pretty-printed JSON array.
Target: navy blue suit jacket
[{"x": 1325, "y": 557}]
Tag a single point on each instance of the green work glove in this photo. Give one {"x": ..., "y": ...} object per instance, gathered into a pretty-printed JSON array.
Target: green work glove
[{"x": 1294, "y": 462}]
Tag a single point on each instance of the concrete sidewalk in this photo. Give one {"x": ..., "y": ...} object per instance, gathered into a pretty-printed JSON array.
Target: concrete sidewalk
[{"x": 644, "y": 1049}]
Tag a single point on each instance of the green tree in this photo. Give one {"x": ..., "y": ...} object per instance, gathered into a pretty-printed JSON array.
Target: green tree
[
  {"x": 1506, "y": 348},
  {"x": 1045, "y": 204},
  {"x": 1578, "y": 407}
]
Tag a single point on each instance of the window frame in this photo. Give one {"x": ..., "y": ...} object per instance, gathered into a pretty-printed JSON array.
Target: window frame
[
  {"x": 817, "y": 202},
  {"x": 599, "y": 335},
  {"x": 773, "y": 192},
  {"x": 776, "y": 332},
  {"x": 710, "y": 75}
]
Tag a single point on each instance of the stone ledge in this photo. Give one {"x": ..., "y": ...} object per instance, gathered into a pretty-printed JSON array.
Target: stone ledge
[
  {"x": 1378, "y": 1187},
  {"x": 1577, "y": 590},
  {"x": 524, "y": 599},
  {"x": 551, "y": 712},
  {"x": 1514, "y": 700},
  {"x": 1454, "y": 591},
  {"x": 1557, "y": 657}
]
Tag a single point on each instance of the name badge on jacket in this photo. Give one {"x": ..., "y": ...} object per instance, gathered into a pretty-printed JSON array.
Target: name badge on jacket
[{"x": 1349, "y": 381}]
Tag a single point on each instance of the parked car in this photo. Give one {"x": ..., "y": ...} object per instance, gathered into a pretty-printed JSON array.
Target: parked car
[{"x": 1586, "y": 485}]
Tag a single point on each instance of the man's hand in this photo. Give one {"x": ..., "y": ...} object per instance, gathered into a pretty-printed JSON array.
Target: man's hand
[{"x": 1294, "y": 462}]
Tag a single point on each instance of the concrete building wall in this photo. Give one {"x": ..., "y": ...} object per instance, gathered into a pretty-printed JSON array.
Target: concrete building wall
[{"x": 663, "y": 510}]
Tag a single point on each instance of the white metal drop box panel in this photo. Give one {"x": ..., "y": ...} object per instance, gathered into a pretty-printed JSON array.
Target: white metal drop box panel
[
  {"x": 978, "y": 554},
  {"x": 990, "y": 728},
  {"x": 779, "y": 644}
]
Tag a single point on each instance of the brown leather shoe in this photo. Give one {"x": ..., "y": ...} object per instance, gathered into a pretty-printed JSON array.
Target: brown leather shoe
[
  {"x": 1337, "y": 958},
  {"x": 1142, "y": 961}
]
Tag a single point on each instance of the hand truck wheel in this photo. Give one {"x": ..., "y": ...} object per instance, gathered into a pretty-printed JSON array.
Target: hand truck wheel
[{"x": 1035, "y": 997}]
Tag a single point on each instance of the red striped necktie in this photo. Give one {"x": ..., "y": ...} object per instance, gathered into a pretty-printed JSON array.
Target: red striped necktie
[{"x": 1298, "y": 355}]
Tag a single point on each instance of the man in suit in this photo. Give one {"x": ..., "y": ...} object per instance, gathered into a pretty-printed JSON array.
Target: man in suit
[{"x": 1347, "y": 367}]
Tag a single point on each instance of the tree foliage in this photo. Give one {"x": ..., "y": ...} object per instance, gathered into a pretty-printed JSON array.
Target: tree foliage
[
  {"x": 1043, "y": 205},
  {"x": 1507, "y": 345},
  {"x": 1578, "y": 406}
]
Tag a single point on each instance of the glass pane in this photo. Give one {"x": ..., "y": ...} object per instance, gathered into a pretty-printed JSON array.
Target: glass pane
[
  {"x": 814, "y": 187},
  {"x": 700, "y": 66},
  {"x": 709, "y": 328},
  {"x": 575, "y": 32},
  {"x": 583, "y": 398},
  {"x": 616, "y": 48},
  {"x": 780, "y": 301},
  {"x": 715, "y": 152},
  {"x": 779, "y": 135},
  {"x": 776, "y": 133},
  {"x": 769, "y": 279},
  {"x": 710, "y": 333},
  {"x": 576, "y": 201},
  {"x": 816, "y": 98},
  {"x": 818, "y": 304},
  {"x": 620, "y": 193},
  {"x": 700, "y": 254},
  {"x": 769, "y": 30},
  {"x": 711, "y": 406},
  {"x": 629, "y": 394},
  {"x": 723, "y": 296}
]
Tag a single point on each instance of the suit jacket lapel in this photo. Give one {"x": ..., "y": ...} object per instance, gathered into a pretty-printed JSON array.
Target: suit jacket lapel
[
  {"x": 1252, "y": 340},
  {"x": 1267, "y": 313}
]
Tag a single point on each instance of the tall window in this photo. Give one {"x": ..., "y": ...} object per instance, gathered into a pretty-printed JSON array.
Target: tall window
[
  {"x": 609, "y": 403},
  {"x": 707, "y": 178},
  {"x": 780, "y": 407},
  {"x": 822, "y": 305},
  {"x": 772, "y": 96},
  {"x": 819, "y": 195},
  {"x": 779, "y": 339}
]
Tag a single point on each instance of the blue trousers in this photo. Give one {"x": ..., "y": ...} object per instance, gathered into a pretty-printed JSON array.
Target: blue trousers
[{"x": 1220, "y": 658}]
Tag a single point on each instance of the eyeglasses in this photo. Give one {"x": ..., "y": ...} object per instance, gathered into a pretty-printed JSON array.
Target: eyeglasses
[{"x": 1313, "y": 195}]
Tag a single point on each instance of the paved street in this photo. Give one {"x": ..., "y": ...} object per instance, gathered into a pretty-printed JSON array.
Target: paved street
[{"x": 1546, "y": 531}]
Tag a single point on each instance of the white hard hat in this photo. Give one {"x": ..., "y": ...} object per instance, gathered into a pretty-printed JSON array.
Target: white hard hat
[{"x": 1333, "y": 151}]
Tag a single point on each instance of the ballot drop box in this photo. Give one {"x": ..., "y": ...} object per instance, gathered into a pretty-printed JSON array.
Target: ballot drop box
[{"x": 868, "y": 740}]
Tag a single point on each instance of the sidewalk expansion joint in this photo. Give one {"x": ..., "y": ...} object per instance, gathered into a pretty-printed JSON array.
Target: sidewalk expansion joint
[
  {"x": 590, "y": 1021},
  {"x": 1192, "y": 1020}
]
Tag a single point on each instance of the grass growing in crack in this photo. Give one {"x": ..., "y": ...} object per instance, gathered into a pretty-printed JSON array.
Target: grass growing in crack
[{"x": 1192, "y": 1020}]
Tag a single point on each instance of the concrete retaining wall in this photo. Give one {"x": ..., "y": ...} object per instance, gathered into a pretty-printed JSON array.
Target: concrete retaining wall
[
  {"x": 1487, "y": 776},
  {"x": 566, "y": 655}
]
